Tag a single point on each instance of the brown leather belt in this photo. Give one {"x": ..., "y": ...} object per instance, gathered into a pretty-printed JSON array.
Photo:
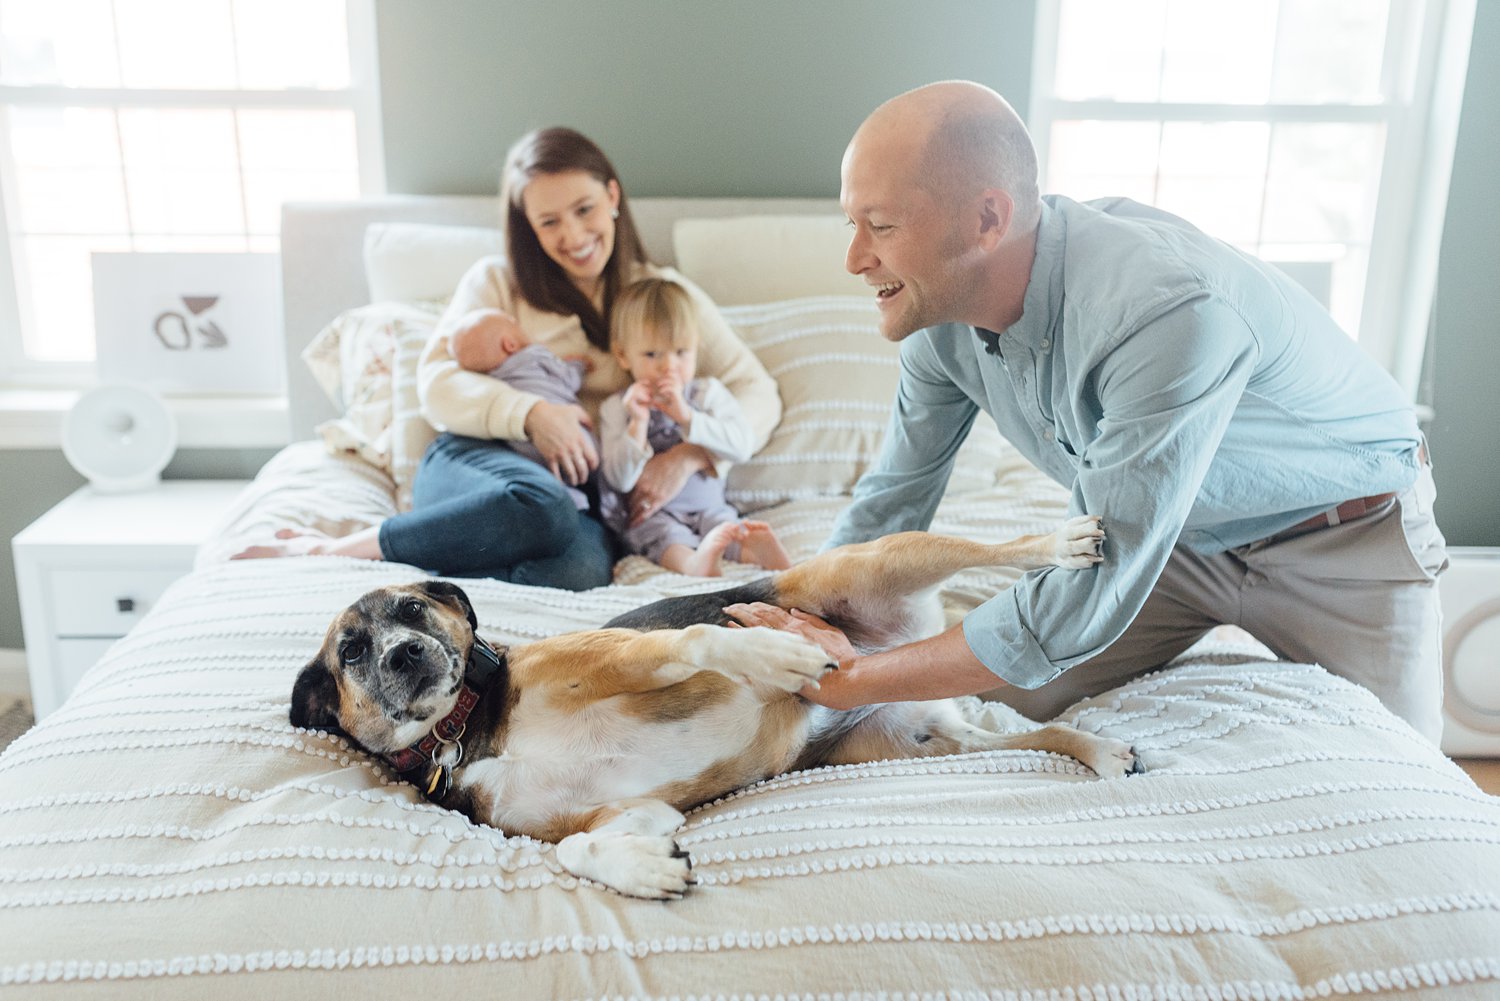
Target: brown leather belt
[
  {"x": 1350, "y": 510},
  {"x": 1347, "y": 511}
]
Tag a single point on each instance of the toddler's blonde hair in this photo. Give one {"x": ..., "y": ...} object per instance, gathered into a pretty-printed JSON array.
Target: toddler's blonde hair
[{"x": 656, "y": 306}]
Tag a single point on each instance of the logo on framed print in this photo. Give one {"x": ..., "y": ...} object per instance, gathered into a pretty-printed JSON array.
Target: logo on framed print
[{"x": 190, "y": 323}]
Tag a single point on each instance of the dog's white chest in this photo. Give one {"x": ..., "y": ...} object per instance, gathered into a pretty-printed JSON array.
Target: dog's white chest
[{"x": 558, "y": 764}]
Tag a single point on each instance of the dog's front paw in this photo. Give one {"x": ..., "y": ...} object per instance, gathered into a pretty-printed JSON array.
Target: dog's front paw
[
  {"x": 760, "y": 655},
  {"x": 637, "y": 865},
  {"x": 1079, "y": 543}
]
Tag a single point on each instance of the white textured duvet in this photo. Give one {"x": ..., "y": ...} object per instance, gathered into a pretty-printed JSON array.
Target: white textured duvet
[{"x": 167, "y": 833}]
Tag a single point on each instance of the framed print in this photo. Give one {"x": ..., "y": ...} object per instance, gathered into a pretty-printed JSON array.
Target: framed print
[{"x": 190, "y": 323}]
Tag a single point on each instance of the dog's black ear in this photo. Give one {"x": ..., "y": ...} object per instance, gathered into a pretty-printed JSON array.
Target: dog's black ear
[
  {"x": 452, "y": 594},
  {"x": 315, "y": 698}
]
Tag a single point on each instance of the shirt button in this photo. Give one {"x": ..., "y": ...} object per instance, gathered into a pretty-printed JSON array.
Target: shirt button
[
  {"x": 1046, "y": 345},
  {"x": 1048, "y": 434}
]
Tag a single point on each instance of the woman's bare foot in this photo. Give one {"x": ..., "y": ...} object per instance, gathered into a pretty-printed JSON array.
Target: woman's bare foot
[
  {"x": 759, "y": 545},
  {"x": 364, "y": 545},
  {"x": 704, "y": 561}
]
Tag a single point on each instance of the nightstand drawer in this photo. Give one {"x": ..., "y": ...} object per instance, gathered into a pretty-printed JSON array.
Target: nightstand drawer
[
  {"x": 75, "y": 657},
  {"x": 104, "y": 603}
]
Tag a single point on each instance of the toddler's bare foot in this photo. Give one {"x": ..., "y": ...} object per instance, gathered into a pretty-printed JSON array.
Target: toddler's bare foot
[
  {"x": 704, "y": 561},
  {"x": 759, "y": 545}
]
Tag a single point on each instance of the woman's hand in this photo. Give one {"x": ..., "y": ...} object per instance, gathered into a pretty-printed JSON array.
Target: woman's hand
[
  {"x": 665, "y": 475},
  {"x": 560, "y": 431},
  {"x": 833, "y": 690}
]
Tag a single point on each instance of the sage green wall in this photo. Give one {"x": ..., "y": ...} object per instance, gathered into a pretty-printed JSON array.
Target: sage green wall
[
  {"x": 1466, "y": 351},
  {"x": 708, "y": 97}
]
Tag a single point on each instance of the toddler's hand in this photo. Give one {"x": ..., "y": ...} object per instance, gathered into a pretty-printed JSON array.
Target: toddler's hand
[{"x": 667, "y": 397}]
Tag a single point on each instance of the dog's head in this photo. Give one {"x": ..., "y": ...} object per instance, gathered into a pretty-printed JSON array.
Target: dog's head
[{"x": 390, "y": 667}]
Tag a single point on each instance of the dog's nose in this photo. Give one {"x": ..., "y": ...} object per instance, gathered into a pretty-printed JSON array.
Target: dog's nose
[{"x": 407, "y": 657}]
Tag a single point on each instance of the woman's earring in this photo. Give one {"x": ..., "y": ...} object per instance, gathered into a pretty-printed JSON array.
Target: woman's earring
[{"x": 614, "y": 213}]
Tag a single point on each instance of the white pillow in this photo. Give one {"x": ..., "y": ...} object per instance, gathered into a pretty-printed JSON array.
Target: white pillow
[
  {"x": 757, "y": 259},
  {"x": 366, "y": 360},
  {"x": 837, "y": 377},
  {"x": 408, "y": 262}
]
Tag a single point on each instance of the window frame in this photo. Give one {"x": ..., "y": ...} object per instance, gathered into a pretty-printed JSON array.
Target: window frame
[
  {"x": 23, "y": 375},
  {"x": 1424, "y": 96}
]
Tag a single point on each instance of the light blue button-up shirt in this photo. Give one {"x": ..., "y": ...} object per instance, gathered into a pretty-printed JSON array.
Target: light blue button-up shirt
[{"x": 1185, "y": 392}]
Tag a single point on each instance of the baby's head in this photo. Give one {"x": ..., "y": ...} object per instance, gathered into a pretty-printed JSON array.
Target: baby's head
[
  {"x": 654, "y": 331},
  {"x": 485, "y": 338}
]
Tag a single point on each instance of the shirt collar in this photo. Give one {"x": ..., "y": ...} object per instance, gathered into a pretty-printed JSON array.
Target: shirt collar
[{"x": 1043, "y": 288}]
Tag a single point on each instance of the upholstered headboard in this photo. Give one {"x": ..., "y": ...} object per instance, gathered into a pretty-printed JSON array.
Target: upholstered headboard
[{"x": 322, "y": 259}]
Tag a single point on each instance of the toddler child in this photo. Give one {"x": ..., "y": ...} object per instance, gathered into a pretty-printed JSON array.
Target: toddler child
[{"x": 654, "y": 336}]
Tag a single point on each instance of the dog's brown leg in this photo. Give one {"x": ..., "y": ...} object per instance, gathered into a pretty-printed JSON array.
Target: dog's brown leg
[
  {"x": 577, "y": 669},
  {"x": 910, "y": 562},
  {"x": 930, "y": 729}
]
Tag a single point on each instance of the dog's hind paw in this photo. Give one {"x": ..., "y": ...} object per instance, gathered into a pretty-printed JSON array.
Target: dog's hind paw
[
  {"x": 1079, "y": 543},
  {"x": 1114, "y": 759}
]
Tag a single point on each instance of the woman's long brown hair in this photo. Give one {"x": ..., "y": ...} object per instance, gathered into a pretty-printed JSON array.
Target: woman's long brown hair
[{"x": 538, "y": 278}]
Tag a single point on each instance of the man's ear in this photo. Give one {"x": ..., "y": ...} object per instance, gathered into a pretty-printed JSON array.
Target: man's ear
[
  {"x": 996, "y": 211},
  {"x": 453, "y": 595},
  {"x": 315, "y": 698}
]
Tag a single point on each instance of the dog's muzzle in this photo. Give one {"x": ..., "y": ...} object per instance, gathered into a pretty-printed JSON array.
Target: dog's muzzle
[{"x": 428, "y": 764}]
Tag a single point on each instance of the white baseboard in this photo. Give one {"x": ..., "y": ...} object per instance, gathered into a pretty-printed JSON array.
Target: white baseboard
[{"x": 13, "y": 680}]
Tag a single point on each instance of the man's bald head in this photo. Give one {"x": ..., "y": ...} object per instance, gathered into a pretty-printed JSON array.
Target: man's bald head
[{"x": 961, "y": 138}]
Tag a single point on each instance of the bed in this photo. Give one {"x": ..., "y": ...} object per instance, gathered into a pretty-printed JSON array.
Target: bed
[{"x": 167, "y": 833}]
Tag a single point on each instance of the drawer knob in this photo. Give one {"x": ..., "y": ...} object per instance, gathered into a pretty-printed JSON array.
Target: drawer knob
[{"x": 125, "y": 604}]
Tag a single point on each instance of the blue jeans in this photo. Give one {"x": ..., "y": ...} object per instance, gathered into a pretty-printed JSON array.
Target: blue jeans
[{"x": 481, "y": 510}]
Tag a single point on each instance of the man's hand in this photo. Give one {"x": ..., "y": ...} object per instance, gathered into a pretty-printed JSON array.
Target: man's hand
[{"x": 560, "y": 432}]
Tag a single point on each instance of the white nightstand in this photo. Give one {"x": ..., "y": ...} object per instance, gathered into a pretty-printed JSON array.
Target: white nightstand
[{"x": 90, "y": 568}]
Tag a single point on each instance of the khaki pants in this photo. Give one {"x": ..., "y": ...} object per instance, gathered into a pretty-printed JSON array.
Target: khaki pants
[{"x": 1358, "y": 598}]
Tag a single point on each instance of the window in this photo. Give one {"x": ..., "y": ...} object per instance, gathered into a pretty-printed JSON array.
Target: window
[
  {"x": 164, "y": 125},
  {"x": 1317, "y": 134}
]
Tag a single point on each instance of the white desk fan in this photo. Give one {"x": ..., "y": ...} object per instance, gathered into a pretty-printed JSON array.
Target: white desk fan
[{"x": 120, "y": 437}]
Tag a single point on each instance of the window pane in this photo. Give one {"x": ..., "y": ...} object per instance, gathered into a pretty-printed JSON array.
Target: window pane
[
  {"x": 1110, "y": 50},
  {"x": 265, "y": 190},
  {"x": 67, "y": 43},
  {"x": 55, "y": 292},
  {"x": 176, "y": 44},
  {"x": 182, "y": 170},
  {"x": 1093, "y": 159},
  {"x": 309, "y": 155},
  {"x": 1219, "y": 51},
  {"x": 1322, "y": 183},
  {"x": 1212, "y": 174},
  {"x": 315, "y": 55},
  {"x": 64, "y": 174},
  {"x": 1330, "y": 51}
]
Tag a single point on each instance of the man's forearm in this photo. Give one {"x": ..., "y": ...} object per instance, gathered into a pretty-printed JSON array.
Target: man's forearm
[{"x": 937, "y": 668}]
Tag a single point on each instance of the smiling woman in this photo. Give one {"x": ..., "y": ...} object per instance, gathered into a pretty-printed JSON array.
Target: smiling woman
[{"x": 478, "y": 507}]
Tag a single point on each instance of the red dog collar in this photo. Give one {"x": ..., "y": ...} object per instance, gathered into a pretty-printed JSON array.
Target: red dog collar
[{"x": 419, "y": 764}]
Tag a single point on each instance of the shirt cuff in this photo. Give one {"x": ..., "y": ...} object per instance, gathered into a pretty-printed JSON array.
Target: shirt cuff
[
  {"x": 996, "y": 636},
  {"x": 507, "y": 418}
]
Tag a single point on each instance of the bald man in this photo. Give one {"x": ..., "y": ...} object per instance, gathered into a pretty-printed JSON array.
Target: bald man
[{"x": 1252, "y": 465}]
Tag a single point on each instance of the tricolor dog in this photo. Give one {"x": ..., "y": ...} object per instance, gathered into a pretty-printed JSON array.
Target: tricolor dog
[{"x": 597, "y": 740}]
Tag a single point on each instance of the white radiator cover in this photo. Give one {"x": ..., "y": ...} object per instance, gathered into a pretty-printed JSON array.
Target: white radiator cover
[{"x": 1470, "y": 593}]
